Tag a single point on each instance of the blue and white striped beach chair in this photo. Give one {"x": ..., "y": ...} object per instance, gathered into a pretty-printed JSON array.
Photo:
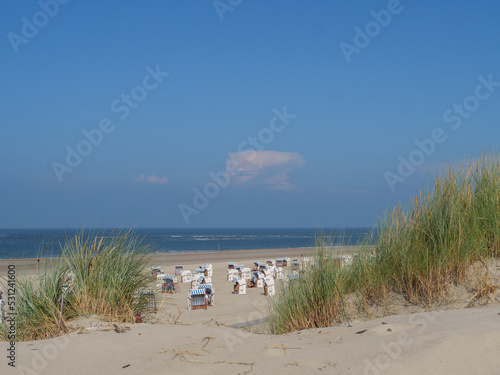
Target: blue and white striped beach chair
[{"x": 197, "y": 299}]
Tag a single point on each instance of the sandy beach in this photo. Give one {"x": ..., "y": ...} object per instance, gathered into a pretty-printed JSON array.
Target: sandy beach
[{"x": 222, "y": 339}]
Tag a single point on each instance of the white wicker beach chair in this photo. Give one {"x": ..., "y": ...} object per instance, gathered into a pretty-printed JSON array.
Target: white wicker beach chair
[
  {"x": 278, "y": 273},
  {"x": 186, "y": 276},
  {"x": 197, "y": 300},
  {"x": 269, "y": 288},
  {"x": 242, "y": 289},
  {"x": 246, "y": 273},
  {"x": 271, "y": 263},
  {"x": 231, "y": 274}
]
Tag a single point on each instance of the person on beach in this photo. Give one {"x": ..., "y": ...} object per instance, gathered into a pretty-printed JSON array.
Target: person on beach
[
  {"x": 253, "y": 282},
  {"x": 207, "y": 295},
  {"x": 235, "y": 288},
  {"x": 38, "y": 260}
]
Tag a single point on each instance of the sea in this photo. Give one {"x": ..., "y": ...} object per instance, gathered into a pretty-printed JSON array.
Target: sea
[{"x": 33, "y": 243}]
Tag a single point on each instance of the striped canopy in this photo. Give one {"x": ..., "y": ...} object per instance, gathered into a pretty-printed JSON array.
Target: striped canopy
[
  {"x": 205, "y": 286},
  {"x": 197, "y": 292}
]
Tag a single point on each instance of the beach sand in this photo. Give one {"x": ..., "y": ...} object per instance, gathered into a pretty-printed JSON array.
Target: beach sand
[{"x": 464, "y": 341}]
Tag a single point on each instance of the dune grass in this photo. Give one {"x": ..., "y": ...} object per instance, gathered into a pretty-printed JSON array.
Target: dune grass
[
  {"x": 418, "y": 251},
  {"x": 312, "y": 300},
  {"x": 99, "y": 275}
]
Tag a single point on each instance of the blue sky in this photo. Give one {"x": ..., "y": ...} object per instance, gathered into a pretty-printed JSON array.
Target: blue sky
[{"x": 177, "y": 87}]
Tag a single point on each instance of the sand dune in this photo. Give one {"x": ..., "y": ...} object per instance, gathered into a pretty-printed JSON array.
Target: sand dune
[{"x": 465, "y": 341}]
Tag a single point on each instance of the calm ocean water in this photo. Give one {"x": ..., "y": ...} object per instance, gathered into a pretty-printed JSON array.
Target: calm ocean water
[{"x": 30, "y": 243}]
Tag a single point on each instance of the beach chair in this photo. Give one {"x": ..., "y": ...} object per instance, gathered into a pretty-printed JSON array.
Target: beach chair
[
  {"x": 295, "y": 264},
  {"x": 159, "y": 280},
  {"x": 246, "y": 273},
  {"x": 199, "y": 271},
  {"x": 149, "y": 298},
  {"x": 240, "y": 271},
  {"x": 269, "y": 289},
  {"x": 278, "y": 275},
  {"x": 279, "y": 262},
  {"x": 271, "y": 263},
  {"x": 242, "y": 286},
  {"x": 179, "y": 269},
  {"x": 231, "y": 274},
  {"x": 231, "y": 265},
  {"x": 197, "y": 281},
  {"x": 168, "y": 285},
  {"x": 155, "y": 271},
  {"x": 269, "y": 272},
  {"x": 262, "y": 266},
  {"x": 347, "y": 260},
  {"x": 186, "y": 276},
  {"x": 197, "y": 299},
  {"x": 176, "y": 283},
  {"x": 242, "y": 289},
  {"x": 208, "y": 270},
  {"x": 338, "y": 262}
]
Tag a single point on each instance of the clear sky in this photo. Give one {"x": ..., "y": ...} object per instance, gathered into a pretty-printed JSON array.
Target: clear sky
[{"x": 138, "y": 114}]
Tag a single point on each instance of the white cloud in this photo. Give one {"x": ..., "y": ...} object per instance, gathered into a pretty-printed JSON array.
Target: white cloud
[
  {"x": 152, "y": 179},
  {"x": 139, "y": 179},
  {"x": 264, "y": 167}
]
